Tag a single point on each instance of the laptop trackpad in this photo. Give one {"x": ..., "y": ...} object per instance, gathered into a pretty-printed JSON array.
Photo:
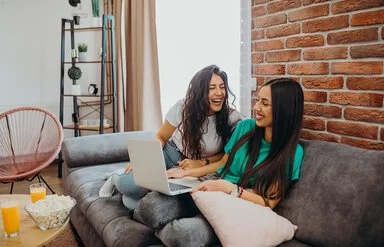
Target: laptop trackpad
[
  {"x": 186, "y": 181},
  {"x": 178, "y": 187}
]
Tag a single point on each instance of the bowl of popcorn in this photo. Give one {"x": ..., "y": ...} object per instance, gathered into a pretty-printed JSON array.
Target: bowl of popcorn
[{"x": 51, "y": 212}]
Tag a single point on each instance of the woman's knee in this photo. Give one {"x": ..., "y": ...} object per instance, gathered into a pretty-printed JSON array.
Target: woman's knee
[
  {"x": 125, "y": 184},
  {"x": 171, "y": 155},
  {"x": 156, "y": 209},
  {"x": 195, "y": 231}
]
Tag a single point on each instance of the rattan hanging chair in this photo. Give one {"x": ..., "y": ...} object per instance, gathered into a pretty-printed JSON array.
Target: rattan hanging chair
[{"x": 30, "y": 140}]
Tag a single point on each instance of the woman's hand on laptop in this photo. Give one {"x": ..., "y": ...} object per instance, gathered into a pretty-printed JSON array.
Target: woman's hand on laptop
[
  {"x": 128, "y": 168},
  {"x": 177, "y": 172},
  {"x": 189, "y": 164}
]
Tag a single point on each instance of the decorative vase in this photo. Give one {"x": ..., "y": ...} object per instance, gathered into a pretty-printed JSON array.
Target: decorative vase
[
  {"x": 82, "y": 56},
  {"x": 76, "y": 89}
]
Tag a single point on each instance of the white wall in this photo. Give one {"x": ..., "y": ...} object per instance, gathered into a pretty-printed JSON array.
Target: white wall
[
  {"x": 192, "y": 35},
  {"x": 30, "y": 36},
  {"x": 30, "y": 33}
]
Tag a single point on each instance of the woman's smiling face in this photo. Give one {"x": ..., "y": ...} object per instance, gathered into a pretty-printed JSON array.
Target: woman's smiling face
[
  {"x": 263, "y": 107},
  {"x": 216, "y": 95}
]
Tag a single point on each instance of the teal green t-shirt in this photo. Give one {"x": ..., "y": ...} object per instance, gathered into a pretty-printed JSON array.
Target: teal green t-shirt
[{"x": 241, "y": 158}]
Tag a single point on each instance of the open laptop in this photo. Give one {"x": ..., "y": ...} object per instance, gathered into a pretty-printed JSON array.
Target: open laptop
[{"x": 148, "y": 167}]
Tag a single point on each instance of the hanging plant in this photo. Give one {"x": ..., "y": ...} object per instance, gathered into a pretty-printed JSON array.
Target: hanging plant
[
  {"x": 95, "y": 8},
  {"x": 74, "y": 73}
]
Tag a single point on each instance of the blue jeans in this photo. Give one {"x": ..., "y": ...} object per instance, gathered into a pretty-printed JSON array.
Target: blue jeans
[
  {"x": 176, "y": 219},
  {"x": 131, "y": 192}
]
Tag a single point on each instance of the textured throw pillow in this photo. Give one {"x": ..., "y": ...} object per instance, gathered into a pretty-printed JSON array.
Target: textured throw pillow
[{"x": 238, "y": 222}]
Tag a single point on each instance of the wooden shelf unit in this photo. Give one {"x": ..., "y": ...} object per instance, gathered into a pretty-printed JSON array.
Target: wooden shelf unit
[
  {"x": 87, "y": 62},
  {"x": 86, "y": 95},
  {"x": 88, "y": 128},
  {"x": 77, "y": 29},
  {"x": 108, "y": 32}
]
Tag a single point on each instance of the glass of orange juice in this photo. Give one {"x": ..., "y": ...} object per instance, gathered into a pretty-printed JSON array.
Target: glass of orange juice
[
  {"x": 11, "y": 218},
  {"x": 37, "y": 191}
]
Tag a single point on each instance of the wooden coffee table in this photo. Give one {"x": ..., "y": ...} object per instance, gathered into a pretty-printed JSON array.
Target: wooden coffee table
[{"x": 30, "y": 234}]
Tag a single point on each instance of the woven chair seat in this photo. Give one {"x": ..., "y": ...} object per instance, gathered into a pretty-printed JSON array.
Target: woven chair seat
[{"x": 30, "y": 140}]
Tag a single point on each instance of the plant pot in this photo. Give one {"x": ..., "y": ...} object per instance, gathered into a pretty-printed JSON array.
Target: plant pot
[
  {"x": 76, "y": 18},
  {"x": 82, "y": 56}
]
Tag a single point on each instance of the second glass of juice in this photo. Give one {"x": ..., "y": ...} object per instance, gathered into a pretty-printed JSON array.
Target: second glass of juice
[{"x": 37, "y": 191}]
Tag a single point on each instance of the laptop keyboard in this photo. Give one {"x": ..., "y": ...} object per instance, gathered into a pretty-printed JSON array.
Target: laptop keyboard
[{"x": 174, "y": 187}]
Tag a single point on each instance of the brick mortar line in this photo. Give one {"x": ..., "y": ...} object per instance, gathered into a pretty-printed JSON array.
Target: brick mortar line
[
  {"x": 343, "y": 106},
  {"x": 330, "y": 14},
  {"x": 350, "y": 14},
  {"x": 344, "y": 135},
  {"x": 342, "y": 90}
]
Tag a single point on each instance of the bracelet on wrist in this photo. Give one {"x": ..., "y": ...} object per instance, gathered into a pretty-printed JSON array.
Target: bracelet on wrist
[
  {"x": 241, "y": 190},
  {"x": 237, "y": 192}
]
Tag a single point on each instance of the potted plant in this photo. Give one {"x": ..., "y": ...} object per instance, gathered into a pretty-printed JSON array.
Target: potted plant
[{"x": 83, "y": 48}]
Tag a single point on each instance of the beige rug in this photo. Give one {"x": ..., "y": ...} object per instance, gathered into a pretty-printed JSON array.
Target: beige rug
[{"x": 65, "y": 239}]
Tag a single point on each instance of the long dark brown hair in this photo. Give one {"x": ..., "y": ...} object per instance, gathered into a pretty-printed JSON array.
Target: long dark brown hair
[
  {"x": 269, "y": 178},
  {"x": 196, "y": 109}
]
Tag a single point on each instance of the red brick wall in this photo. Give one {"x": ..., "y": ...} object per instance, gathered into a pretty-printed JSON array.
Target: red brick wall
[{"x": 335, "y": 49}]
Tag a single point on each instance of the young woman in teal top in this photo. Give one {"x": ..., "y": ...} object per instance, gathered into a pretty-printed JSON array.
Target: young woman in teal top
[
  {"x": 261, "y": 160},
  {"x": 238, "y": 168}
]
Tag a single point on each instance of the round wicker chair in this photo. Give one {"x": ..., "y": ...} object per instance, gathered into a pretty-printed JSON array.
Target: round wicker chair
[{"x": 30, "y": 139}]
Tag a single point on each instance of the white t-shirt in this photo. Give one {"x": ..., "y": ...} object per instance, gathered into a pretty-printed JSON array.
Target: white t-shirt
[{"x": 211, "y": 142}]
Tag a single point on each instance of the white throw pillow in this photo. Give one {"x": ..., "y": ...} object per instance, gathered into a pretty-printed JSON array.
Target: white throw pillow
[{"x": 238, "y": 222}]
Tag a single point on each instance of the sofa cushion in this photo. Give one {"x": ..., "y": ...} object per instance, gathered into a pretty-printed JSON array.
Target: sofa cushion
[
  {"x": 113, "y": 221},
  {"x": 93, "y": 150},
  {"x": 85, "y": 229},
  {"x": 106, "y": 215},
  {"x": 84, "y": 184},
  {"x": 123, "y": 232},
  {"x": 339, "y": 199}
]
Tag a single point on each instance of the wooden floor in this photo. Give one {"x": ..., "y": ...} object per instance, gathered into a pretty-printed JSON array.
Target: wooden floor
[{"x": 50, "y": 176}]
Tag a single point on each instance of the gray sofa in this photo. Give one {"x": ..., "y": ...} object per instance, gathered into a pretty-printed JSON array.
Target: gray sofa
[{"x": 339, "y": 200}]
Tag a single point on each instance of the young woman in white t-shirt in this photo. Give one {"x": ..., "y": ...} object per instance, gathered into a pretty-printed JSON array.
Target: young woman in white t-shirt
[{"x": 193, "y": 134}]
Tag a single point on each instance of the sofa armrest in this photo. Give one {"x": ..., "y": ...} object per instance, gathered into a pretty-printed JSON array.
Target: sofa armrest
[{"x": 99, "y": 149}]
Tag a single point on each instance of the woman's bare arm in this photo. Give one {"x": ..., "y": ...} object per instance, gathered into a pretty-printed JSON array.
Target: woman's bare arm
[
  {"x": 165, "y": 132},
  {"x": 249, "y": 195},
  {"x": 198, "y": 172},
  {"x": 226, "y": 187},
  {"x": 187, "y": 164}
]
